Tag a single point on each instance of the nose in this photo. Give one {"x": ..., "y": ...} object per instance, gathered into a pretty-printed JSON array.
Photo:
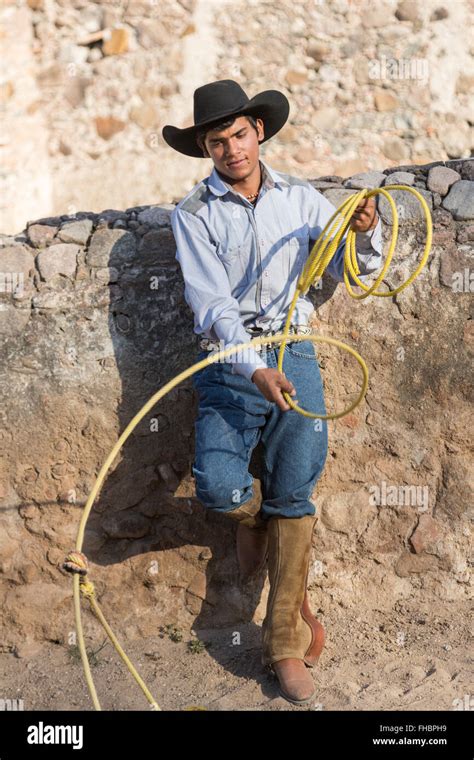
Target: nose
[{"x": 230, "y": 154}]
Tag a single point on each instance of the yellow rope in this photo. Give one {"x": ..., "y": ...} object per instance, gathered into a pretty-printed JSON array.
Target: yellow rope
[
  {"x": 319, "y": 258},
  {"x": 322, "y": 253}
]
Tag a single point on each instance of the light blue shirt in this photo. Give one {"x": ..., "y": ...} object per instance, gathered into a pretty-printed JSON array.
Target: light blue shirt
[{"x": 241, "y": 262}]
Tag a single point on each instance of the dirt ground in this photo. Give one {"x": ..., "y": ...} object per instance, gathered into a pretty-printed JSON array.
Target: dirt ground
[{"x": 366, "y": 665}]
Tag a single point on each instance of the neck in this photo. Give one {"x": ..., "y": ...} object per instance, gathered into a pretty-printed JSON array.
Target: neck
[{"x": 247, "y": 186}]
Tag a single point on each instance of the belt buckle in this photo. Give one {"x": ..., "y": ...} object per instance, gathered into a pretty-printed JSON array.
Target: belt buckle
[
  {"x": 302, "y": 330},
  {"x": 208, "y": 345},
  {"x": 299, "y": 330},
  {"x": 269, "y": 346},
  {"x": 257, "y": 332}
]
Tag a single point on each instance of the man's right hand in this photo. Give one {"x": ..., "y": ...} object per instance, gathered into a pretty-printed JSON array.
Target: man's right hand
[{"x": 271, "y": 383}]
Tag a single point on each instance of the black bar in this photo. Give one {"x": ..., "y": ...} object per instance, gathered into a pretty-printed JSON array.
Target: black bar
[{"x": 138, "y": 734}]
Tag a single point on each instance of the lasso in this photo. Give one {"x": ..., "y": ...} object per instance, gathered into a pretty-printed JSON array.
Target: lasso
[{"x": 322, "y": 252}]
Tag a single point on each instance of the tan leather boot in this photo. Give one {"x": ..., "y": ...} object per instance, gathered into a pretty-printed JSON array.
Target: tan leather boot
[
  {"x": 292, "y": 637},
  {"x": 252, "y": 540}
]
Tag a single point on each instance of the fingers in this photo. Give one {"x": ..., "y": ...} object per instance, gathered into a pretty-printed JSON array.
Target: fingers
[
  {"x": 288, "y": 387},
  {"x": 276, "y": 384},
  {"x": 282, "y": 404},
  {"x": 285, "y": 384}
]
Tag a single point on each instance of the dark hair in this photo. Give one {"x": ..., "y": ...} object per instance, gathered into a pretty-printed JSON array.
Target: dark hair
[{"x": 201, "y": 133}]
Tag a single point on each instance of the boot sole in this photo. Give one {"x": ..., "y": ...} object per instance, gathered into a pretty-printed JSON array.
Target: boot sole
[
  {"x": 288, "y": 697},
  {"x": 297, "y": 701}
]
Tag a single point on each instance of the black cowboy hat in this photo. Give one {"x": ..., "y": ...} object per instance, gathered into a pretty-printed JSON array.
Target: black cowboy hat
[{"x": 215, "y": 101}]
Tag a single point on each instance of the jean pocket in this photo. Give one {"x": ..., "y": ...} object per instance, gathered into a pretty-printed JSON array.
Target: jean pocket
[{"x": 304, "y": 349}]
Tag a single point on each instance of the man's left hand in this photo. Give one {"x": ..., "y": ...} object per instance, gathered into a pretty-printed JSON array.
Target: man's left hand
[{"x": 365, "y": 216}]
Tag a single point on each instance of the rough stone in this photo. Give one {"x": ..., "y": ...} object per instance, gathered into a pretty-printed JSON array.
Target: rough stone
[
  {"x": 457, "y": 139},
  {"x": 395, "y": 148},
  {"x": 460, "y": 200},
  {"x": 76, "y": 232},
  {"x": 426, "y": 534},
  {"x": 16, "y": 260},
  {"x": 385, "y": 101},
  {"x": 41, "y": 234},
  {"x": 399, "y": 178},
  {"x": 440, "y": 179},
  {"x": 324, "y": 118},
  {"x": 317, "y": 50},
  {"x": 414, "y": 564},
  {"x": 365, "y": 179},
  {"x": 408, "y": 206},
  {"x": 407, "y": 10},
  {"x": 157, "y": 216},
  {"x": 58, "y": 259},
  {"x": 110, "y": 246}
]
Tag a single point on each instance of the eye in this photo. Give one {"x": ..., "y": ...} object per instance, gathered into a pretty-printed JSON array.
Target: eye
[{"x": 239, "y": 134}]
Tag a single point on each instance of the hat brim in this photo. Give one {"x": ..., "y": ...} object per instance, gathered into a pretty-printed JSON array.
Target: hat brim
[{"x": 271, "y": 106}]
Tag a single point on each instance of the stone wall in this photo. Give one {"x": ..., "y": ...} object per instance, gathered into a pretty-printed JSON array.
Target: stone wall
[
  {"x": 87, "y": 86},
  {"x": 93, "y": 322}
]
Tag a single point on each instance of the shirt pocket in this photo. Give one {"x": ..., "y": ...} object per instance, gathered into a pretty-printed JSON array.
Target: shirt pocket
[{"x": 235, "y": 262}]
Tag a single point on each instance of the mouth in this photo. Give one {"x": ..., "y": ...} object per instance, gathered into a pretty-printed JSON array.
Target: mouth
[{"x": 234, "y": 164}]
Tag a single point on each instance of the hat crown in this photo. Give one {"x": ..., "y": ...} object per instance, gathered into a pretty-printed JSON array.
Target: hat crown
[{"x": 211, "y": 101}]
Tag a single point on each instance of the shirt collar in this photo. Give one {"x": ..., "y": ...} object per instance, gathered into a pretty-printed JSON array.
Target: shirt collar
[{"x": 270, "y": 178}]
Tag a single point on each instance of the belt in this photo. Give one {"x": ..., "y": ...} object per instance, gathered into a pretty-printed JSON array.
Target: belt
[{"x": 206, "y": 344}]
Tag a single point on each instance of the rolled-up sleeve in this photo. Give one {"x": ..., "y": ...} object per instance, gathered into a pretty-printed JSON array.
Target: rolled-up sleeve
[
  {"x": 368, "y": 244},
  {"x": 207, "y": 290}
]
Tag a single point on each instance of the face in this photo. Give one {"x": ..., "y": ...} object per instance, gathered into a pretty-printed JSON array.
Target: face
[{"x": 238, "y": 142}]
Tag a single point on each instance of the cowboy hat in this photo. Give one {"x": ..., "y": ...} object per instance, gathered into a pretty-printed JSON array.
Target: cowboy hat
[{"x": 215, "y": 101}]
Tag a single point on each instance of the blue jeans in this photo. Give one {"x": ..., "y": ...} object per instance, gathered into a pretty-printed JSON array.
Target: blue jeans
[{"x": 233, "y": 416}]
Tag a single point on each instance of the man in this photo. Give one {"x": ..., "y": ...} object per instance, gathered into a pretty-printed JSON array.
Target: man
[{"x": 242, "y": 236}]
